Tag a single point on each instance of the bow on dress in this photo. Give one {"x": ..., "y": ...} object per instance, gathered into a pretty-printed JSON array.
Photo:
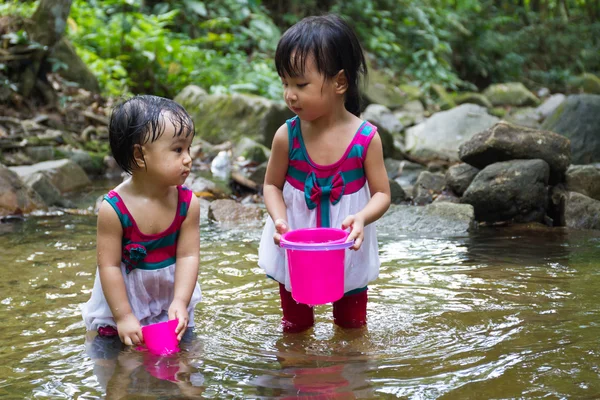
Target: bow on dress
[{"x": 320, "y": 196}]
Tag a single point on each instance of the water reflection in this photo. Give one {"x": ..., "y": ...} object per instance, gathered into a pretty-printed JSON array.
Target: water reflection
[
  {"x": 123, "y": 371},
  {"x": 504, "y": 313}
]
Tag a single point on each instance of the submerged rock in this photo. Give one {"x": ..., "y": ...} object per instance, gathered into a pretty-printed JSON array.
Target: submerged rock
[{"x": 434, "y": 219}]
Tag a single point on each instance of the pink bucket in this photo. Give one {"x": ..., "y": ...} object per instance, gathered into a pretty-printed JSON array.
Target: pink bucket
[
  {"x": 160, "y": 338},
  {"x": 316, "y": 264}
]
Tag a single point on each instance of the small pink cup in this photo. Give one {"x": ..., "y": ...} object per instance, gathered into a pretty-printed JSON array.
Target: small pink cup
[{"x": 160, "y": 338}]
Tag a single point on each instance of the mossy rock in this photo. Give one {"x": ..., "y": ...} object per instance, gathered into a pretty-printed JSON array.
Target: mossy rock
[
  {"x": 498, "y": 112},
  {"x": 219, "y": 118},
  {"x": 380, "y": 88},
  {"x": 585, "y": 83},
  {"x": 473, "y": 98},
  {"x": 511, "y": 94}
]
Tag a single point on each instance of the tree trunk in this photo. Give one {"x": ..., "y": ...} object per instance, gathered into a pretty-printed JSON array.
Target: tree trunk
[{"x": 46, "y": 27}]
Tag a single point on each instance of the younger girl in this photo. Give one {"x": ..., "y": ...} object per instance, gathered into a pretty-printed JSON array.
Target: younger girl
[
  {"x": 148, "y": 226},
  {"x": 326, "y": 167}
]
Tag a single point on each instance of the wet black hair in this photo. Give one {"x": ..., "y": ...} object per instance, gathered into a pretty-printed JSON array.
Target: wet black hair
[
  {"x": 140, "y": 120},
  {"x": 334, "y": 46}
]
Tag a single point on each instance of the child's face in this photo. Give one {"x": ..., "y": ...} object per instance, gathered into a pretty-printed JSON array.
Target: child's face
[
  {"x": 168, "y": 159},
  {"x": 310, "y": 95}
]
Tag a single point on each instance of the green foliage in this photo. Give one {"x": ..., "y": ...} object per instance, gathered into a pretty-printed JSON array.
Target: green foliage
[
  {"x": 409, "y": 37},
  {"x": 222, "y": 46}
]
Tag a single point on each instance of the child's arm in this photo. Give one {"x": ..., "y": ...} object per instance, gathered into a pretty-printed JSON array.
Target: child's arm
[
  {"x": 109, "y": 236},
  {"x": 379, "y": 186},
  {"x": 186, "y": 269},
  {"x": 274, "y": 181}
]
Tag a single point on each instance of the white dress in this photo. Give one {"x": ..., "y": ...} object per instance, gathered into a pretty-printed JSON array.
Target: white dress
[{"x": 362, "y": 266}]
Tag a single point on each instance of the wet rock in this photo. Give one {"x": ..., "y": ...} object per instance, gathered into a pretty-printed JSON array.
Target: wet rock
[
  {"x": 427, "y": 186},
  {"x": 66, "y": 175},
  {"x": 226, "y": 211},
  {"x": 584, "y": 179},
  {"x": 446, "y": 130},
  {"x": 397, "y": 193},
  {"x": 436, "y": 219},
  {"x": 505, "y": 141},
  {"x": 15, "y": 196},
  {"x": 581, "y": 212},
  {"x": 230, "y": 117},
  {"x": 459, "y": 177},
  {"x": 510, "y": 94},
  {"x": 578, "y": 119},
  {"x": 511, "y": 190},
  {"x": 550, "y": 105}
]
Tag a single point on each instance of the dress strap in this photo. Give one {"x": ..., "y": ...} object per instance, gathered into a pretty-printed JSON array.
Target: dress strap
[
  {"x": 363, "y": 139},
  {"x": 185, "y": 198},
  {"x": 295, "y": 147},
  {"x": 117, "y": 204}
]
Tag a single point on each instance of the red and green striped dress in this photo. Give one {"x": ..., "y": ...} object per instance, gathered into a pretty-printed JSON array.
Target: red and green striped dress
[
  {"x": 148, "y": 268},
  {"x": 324, "y": 195}
]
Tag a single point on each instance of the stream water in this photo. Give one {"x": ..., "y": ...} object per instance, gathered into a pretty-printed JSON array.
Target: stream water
[{"x": 504, "y": 313}]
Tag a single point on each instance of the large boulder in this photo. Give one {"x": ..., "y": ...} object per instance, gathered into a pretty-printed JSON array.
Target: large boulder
[
  {"x": 578, "y": 119},
  {"x": 505, "y": 141},
  {"x": 219, "y": 118},
  {"x": 64, "y": 174},
  {"x": 15, "y": 196},
  {"x": 511, "y": 190},
  {"x": 438, "y": 219},
  {"x": 581, "y": 212},
  {"x": 584, "y": 179},
  {"x": 510, "y": 94},
  {"x": 445, "y": 131}
]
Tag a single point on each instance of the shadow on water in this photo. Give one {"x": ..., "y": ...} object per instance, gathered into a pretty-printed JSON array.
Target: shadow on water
[{"x": 504, "y": 313}]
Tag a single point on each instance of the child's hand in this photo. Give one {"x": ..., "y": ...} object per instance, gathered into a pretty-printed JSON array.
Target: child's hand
[
  {"x": 358, "y": 230},
  {"x": 281, "y": 227},
  {"x": 178, "y": 309},
  {"x": 130, "y": 331}
]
